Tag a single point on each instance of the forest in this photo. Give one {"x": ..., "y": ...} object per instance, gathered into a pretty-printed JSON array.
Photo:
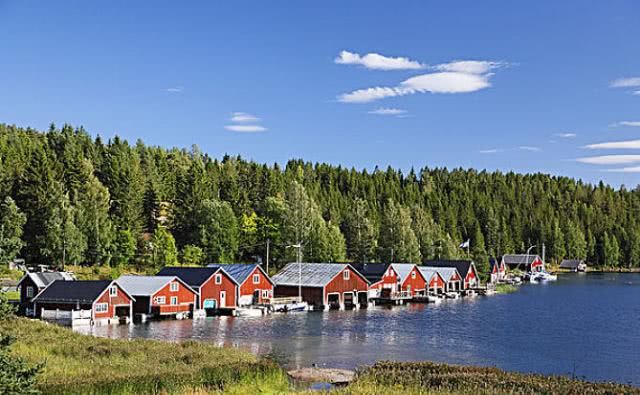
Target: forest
[{"x": 69, "y": 198}]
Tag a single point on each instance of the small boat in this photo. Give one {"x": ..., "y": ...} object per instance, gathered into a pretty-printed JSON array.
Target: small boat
[
  {"x": 452, "y": 295},
  {"x": 291, "y": 307},
  {"x": 251, "y": 311},
  {"x": 539, "y": 277},
  {"x": 434, "y": 299}
]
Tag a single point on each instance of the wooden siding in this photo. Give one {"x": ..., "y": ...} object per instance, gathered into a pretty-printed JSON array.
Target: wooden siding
[
  {"x": 415, "y": 281},
  {"x": 339, "y": 285},
  {"x": 311, "y": 295},
  {"x": 211, "y": 290},
  {"x": 186, "y": 299},
  {"x": 121, "y": 299},
  {"x": 248, "y": 287},
  {"x": 436, "y": 282},
  {"x": 389, "y": 280}
]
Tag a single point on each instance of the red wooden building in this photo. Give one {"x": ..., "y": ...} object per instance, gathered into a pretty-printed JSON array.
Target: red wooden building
[
  {"x": 255, "y": 285},
  {"x": 436, "y": 284},
  {"x": 323, "y": 285},
  {"x": 216, "y": 289},
  {"x": 411, "y": 282},
  {"x": 524, "y": 262},
  {"x": 467, "y": 270},
  {"x": 498, "y": 270},
  {"x": 106, "y": 301},
  {"x": 159, "y": 295}
]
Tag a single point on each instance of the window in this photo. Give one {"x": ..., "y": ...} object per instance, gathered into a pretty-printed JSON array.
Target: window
[
  {"x": 102, "y": 307},
  {"x": 265, "y": 293},
  {"x": 174, "y": 300},
  {"x": 29, "y": 292},
  {"x": 413, "y": 275},
  {"x": 256, "y": 279},
  {"x": 113, "y": 291},
  {"x": 161, "y": 300},
  {"x": 345, "y": 275},
  {"x": 218, "y": 278},
  {"x": 174, "y": 286}
]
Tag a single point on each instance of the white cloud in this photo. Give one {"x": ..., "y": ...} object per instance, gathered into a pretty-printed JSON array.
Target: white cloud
[
  {"x": 633, "y": 82},
  {"x": 629, "y": 144},
  {"x": 469, "y": 66},
  {"x": 445, "y": 82},
  {"x": 388, "y": 111},
  {"x": 529, "y": 148},
  {"x": 636, "y": 93},
  {"x": 625, "y": 123},
  {"x": 374, "y": 61},
  {"x": 246, "y": 128},
  {"x": 175, "y": 89},
  {"x": 567, "y": 135},
  {"x": 490, "y": 151},
  {"x": 610, "y": 159},
  {"x": 633, "y": 169},
  {"x": 242, "y": 117}
]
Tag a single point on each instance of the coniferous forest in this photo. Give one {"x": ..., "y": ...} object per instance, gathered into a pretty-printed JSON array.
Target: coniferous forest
[{"x": 66, "y": 197}]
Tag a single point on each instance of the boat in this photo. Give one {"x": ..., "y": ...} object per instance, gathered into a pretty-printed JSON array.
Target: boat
[
  {"x": 539, "y": 277},
  {"x": 434, "y": 299},
  {"x": 254, "y": 311},
  {"x": 452, "y": 295},
  {"x": 291, "y": 307}
]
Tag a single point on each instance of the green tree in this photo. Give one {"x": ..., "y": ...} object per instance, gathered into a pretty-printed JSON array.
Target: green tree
[
  {"x": 164, "y": 248},
  {"x": 398, "y": 242},
  {"x": 16, "y": 376},
  {"x": 478, "y": 250},
  {"x": 124, "y": 248},
  {"x": 557, "y": 243},
  {"x": 360, "y": 233},
  {"x": 192, "y": 255},
  {"x": 611, "y": 250},
  {"x": 218, "y": 231},
  {"x": 12, "y": 221},
  {"x": 576, "y": 242}
]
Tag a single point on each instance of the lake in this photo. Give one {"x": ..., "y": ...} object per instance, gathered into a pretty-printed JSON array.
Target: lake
[{"x": 587, "y": 325}]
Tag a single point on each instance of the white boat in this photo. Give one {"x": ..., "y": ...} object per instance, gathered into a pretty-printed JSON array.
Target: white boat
[
  {"x": 251, "y": 311},
  {"x": 452, "y": 295},
  {"x": 539, "y": 277},
  {"x": 434, "y": 299},
  {"x": 291, "y": 307}
]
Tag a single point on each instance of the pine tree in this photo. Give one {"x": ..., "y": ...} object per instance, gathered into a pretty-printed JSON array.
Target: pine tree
[
  {"x": 398, "y": 242},
  {"x": 164, "y": 248},
  {"x": 360, "y": 233},
  {"x": 12, "y": 221},
  {"x": 192, "y": 255},
  {"x": 218, "y": 231}
]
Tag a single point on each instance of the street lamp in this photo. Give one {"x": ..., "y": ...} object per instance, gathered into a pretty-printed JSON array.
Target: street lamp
[{"x": 528, "y": 251}]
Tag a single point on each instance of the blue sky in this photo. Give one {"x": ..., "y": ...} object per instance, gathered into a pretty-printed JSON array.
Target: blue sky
[{"x": 547, "y": 84}]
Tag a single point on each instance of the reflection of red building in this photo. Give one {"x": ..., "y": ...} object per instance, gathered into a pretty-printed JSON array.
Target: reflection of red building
[{"x": 159, "y": 295}]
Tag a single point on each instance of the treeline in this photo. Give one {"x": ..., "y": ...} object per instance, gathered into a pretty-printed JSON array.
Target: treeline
[{"x": 69, "y": 198}]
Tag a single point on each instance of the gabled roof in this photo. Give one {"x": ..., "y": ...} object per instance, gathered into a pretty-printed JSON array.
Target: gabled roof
[
  {"x": 429, "y": 272},
  {"x": 445, "y": 272},
  {"x": 371, "y": 271},
  {"x": 493, "y": 262},
  {"x": 42, "y": 279},
  {"x": 193, "y": 276},
  {"x": 520, "y": 259},
  {"x": 461, "y": 266},
  {"x": 403, "y": 270},
  {"x": 313, "y": 274},
  {"x": 571, "y": 263},
  {"x": 84, "y": 292},
  {"x": 147, "y": 285},
  {"x": 240, "y": 271}
]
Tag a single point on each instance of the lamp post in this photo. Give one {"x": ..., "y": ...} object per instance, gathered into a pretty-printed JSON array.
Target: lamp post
[{"x": 528, "y": 251}]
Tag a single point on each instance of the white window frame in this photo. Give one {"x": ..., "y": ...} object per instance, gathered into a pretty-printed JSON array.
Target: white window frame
[
  {"x": 113, "y": 291},
  {"x": 256, "y": 279},
  {"x": 413, "y": 275},
  {"x": 102, "y": 307},
  {"x": 218, "y": 279},
  {"x": 346, "y": 275},
  {"x": 174, "y": 301},
  {"x": 265, "y": 294},
  {"x": 161, "y": 300},
  {"x": 29, "y": 292},
  {"x": 174, "y": 286}
]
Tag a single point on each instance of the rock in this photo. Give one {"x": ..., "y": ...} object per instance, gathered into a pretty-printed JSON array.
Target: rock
[{"x": 326, "y": 375}]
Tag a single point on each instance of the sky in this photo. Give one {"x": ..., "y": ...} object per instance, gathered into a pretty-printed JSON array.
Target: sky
[{"x": 535, "y": 86}]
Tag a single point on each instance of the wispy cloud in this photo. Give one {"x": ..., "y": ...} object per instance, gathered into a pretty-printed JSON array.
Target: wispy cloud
[
  {"x": 610, "y": 159},
  {"x": 388, "y": 111},
  {"x": 633, "y": 82},
  {"x": 469, "y": 66},
  {"x": 529, "y": 148},
  {"x": 625, "y": 123},
  {"x": 174, "y": 89},
  {"x": 568, "y": 135},
  {"x": 243, "y": 117},
  {"x": 633, "y": 169},
  {"x": 490, "y": 151},
  {"x": 375, "y": 61},
  {"x": 629, "y": 144},
  {"x": 246, "y": 128},
  {"x": 245, "y": 123}
]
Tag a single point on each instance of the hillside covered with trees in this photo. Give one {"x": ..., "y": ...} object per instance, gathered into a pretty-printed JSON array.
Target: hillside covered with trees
[{"x": 66, "y": 197}]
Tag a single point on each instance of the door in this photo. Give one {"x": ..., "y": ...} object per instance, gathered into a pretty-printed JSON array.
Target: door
[{"x": 223, "y": 299}]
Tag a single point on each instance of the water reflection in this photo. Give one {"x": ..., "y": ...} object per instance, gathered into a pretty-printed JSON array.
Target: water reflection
[{"x": 589, "y": 324}]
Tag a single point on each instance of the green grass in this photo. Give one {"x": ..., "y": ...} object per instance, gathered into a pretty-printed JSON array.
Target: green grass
[
  {"x": 12, "y": 295},
  {"x": 505, "y": 288},
  {"x": 5, "y": 273}
]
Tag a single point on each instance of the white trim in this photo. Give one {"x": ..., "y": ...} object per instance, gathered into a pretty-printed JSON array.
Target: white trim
[
  {"x": 173, "y": 298},
  {"x": 156, "y": 300},
  {"x": 171, "y": 286},
  {"x": 113, "y": 288},
  {"x": 102, "y": 304},
  {"x": 218, "y": 276},
  {"x": 346, "y": 274},
  {"x": 255, "y": 277}
]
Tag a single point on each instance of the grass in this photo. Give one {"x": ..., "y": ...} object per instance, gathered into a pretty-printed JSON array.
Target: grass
[
  {"x": 505, "y": 288},
  {"x": 103, "y": 272},
  {"x": 12, "y": 295},
  {"x": 6, "y": 273}
]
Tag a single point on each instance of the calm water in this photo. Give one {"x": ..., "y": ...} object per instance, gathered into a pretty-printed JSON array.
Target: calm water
[{"x": 587, "y": 325}]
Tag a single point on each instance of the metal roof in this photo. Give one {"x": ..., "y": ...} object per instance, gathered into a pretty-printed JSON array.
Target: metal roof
[
  {"x": 571, "y": 263},
  {"x": 194, "y": 276},
  {"x": 239, "y": 271},
  {"x": 145, "y": 285},
  {"x": 520, "y": 259},
  {"x": 402, "y": 269},
  {"x": 73, "y": 291},
  {"x": 313, "y": 274},
  {"x": 461, "y": 266},
  {"x": 42, "y": 279},
  {"x": 429, "y": 272}
]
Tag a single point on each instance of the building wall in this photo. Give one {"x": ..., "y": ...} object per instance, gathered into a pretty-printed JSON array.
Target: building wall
[
  {"x": 120, "y": 299},
  {"x": 211, "y": 290},
  {"x": 414, "y": 282},
  {"x": 248, "y": 287},
  {"x": 25, "y": 302},
  {"x": 436, "y": 282},
  {"x": 339, "y": 285},
  {"x": 471, "y": 276},
  {"x": 389, "y": 280},
  {"x": 186, "y": 299},
  {"x": 311, "y": 295}
]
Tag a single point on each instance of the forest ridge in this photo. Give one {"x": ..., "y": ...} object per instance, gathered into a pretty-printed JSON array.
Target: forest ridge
[{"x": 69, "y": 198}]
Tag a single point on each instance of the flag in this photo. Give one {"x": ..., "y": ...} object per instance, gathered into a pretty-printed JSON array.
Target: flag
[{"x": 465, "y": 244}]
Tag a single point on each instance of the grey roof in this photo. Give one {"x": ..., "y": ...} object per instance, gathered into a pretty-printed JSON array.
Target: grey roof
[
  {"x": 571, "y": 263},
  {"x": 238, "y": 271},
  {"x": 402, "y": 269},
  {"x": 519, "y": 259},
  {"x": 428, "y": 272},
  {"x": 145, "y": 285},
  {"x": 445, "y": 272},
  {"x": 42, "y": 279},
  {"x": 313, "y": 274},
  {"x": 84, "y": 292},
  {"x": 461, "y": 266}
]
